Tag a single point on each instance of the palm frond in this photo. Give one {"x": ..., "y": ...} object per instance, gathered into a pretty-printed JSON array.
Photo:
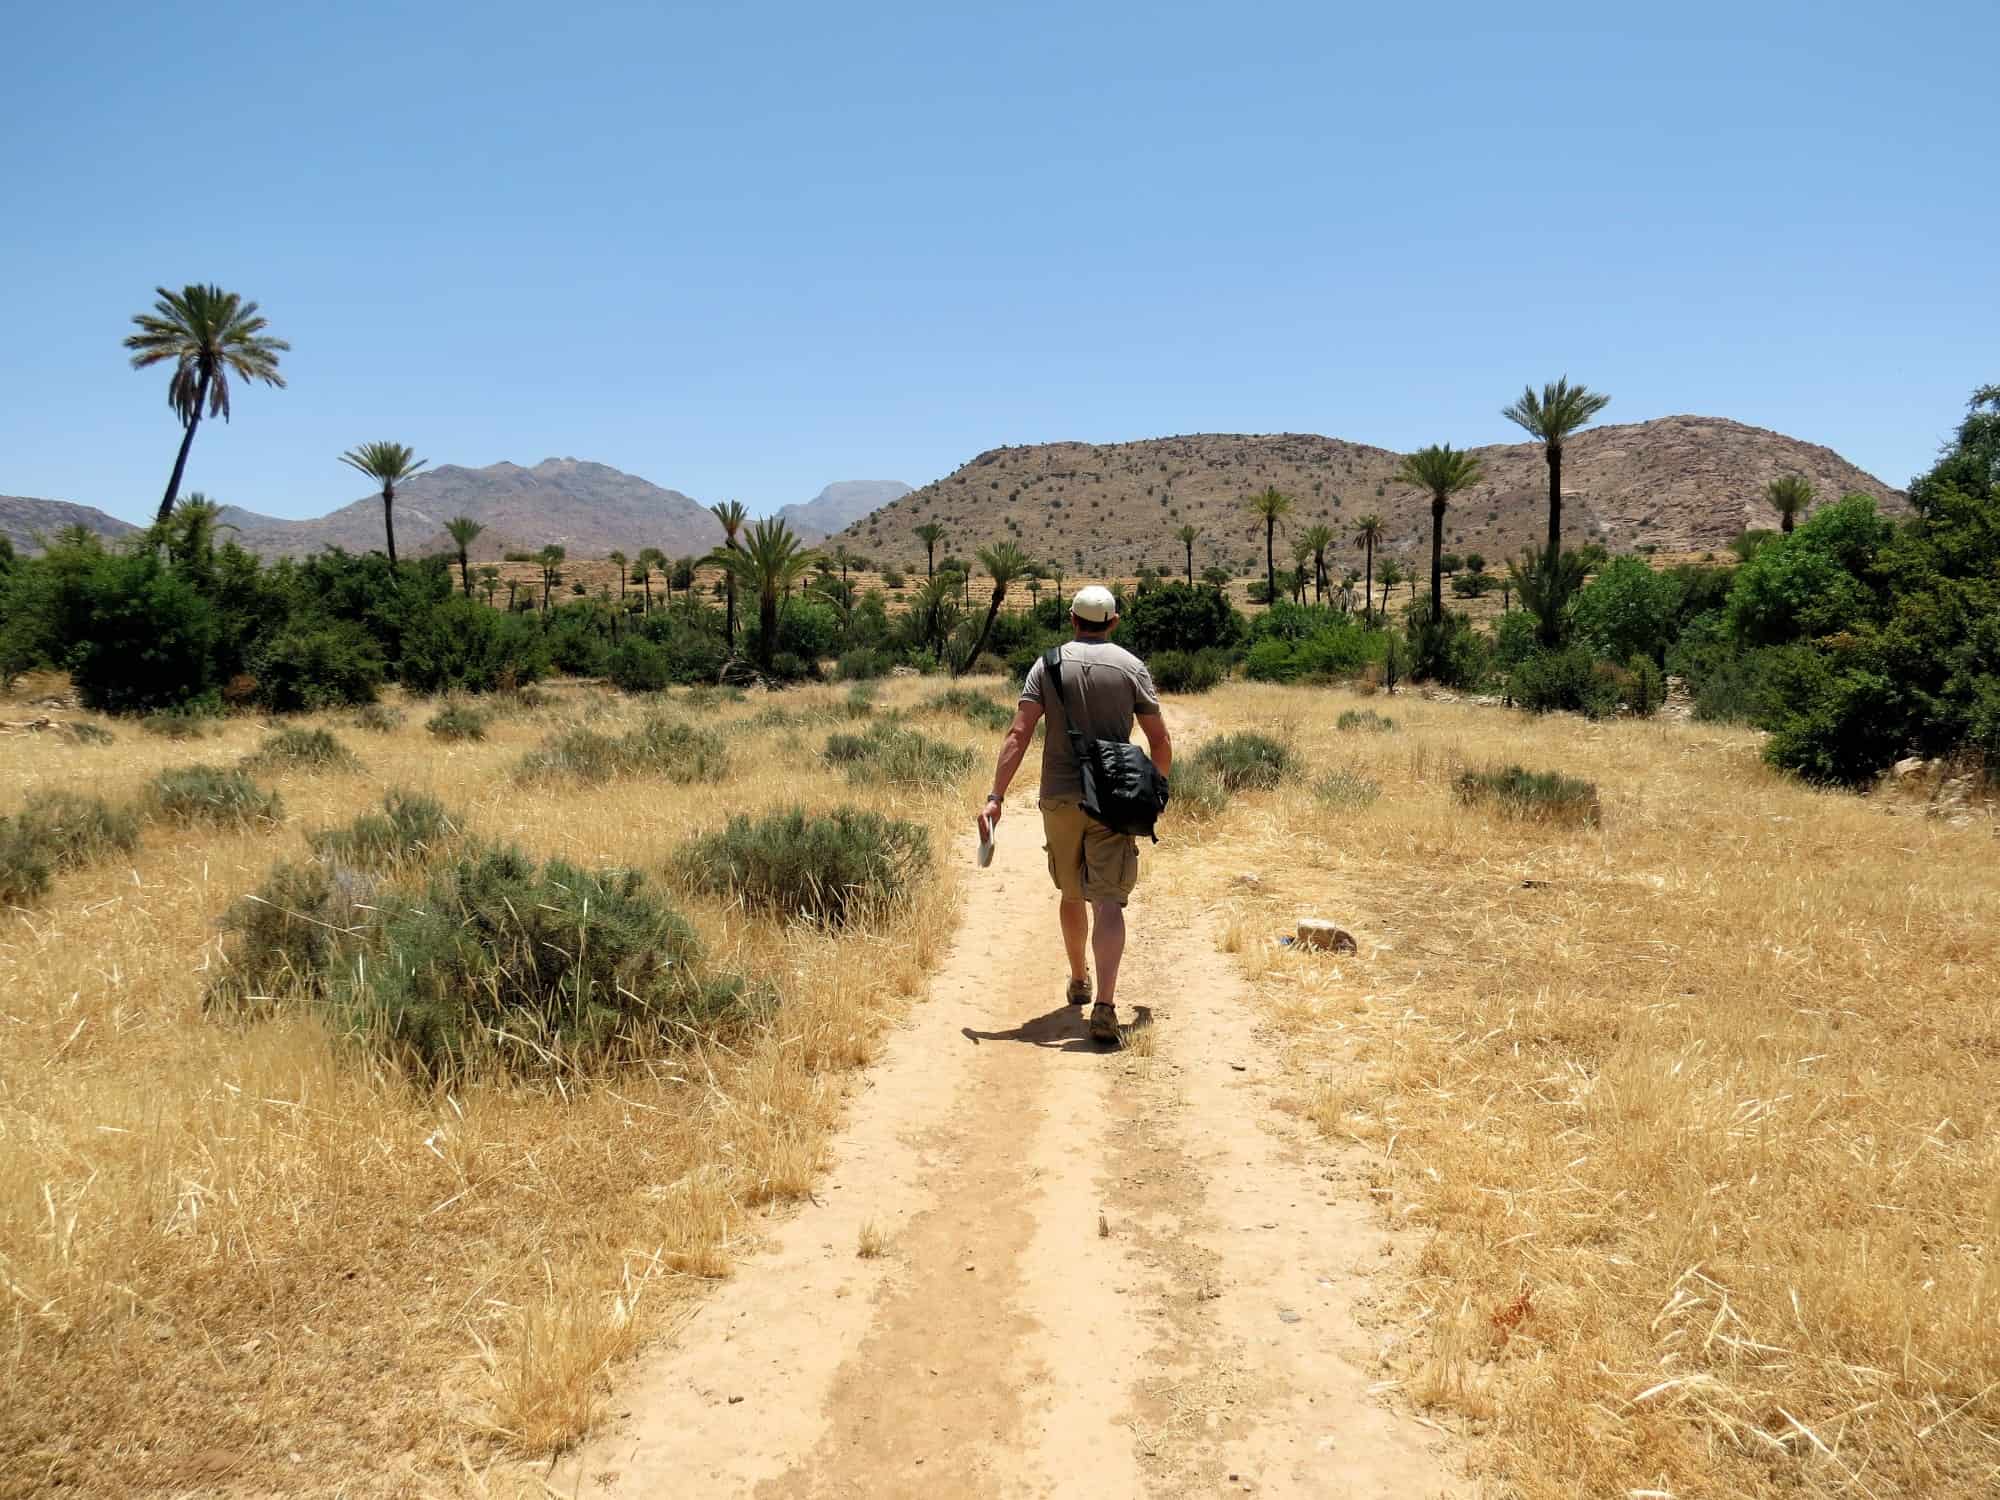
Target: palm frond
[
  {"x": 1558, "y": 410},
  {"x": 385, "y": 462}
]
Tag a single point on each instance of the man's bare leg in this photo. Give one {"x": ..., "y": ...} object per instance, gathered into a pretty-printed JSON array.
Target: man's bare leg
[
  {"x": 1107, "y": 944},
  {"x": 1076, "y": 934}
]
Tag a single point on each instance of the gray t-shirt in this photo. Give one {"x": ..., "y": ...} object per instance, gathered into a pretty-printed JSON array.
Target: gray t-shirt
[{"x": 1106, "y": 685}]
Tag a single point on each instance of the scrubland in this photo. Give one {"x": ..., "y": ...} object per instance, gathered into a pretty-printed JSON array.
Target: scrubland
[
  {"x": 241, "y": 1251},
  {"x": 1690, "y": 1098}
]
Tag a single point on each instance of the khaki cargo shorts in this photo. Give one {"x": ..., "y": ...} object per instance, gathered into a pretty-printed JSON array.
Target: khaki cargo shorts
[{"x": 1087, "y": 861}]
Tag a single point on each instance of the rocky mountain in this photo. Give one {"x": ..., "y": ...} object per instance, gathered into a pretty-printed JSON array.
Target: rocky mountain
[
  {"x": 840, "y": 505},
  {"x": 25, "y": 521},
  {"x": 1678, "y": 484},
  {"x": 588, "y": 509}
]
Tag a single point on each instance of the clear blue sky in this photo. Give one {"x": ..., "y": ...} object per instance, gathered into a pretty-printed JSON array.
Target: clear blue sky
[{"x": 745, "y": 250}]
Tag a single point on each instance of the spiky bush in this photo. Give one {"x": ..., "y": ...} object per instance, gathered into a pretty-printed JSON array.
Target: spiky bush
[
  {"x": 304, "y": 750},
  {"x": 55, "y": 831},
  {"x": 178, "y": 724},
  {"x": 1547, "y": 796},
  {"x": 1346, "y": 789},
  {"x": 831, "y": 867},
  {"x": 672, "y": 748},
  {"x": 1198, "y": 793},
  {"x": 1364, "y": 719},
  {"x": 377, "y": 718},
  {"x": 457, "y": 722},
  {"x": 215, "y": 795},
  {"x": 533, "y": 968},
  {"x": 971, "y": 705},
  {"x": 410, "y": 827},
  {"x": 286, "y": 938},
  {"x": 1247, "y": 761},
  {"x": 890, "y": 753},
  {"x": 1187, "y": 671}
]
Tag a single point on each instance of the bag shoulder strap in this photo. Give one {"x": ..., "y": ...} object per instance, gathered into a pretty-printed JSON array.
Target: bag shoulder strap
[{"x": 1052, "y": 669}]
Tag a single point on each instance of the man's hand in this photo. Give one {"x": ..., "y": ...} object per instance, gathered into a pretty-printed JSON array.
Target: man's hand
[{"x": 989, "y": 817}]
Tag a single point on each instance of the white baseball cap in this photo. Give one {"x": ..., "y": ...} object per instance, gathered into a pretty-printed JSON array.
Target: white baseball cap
[{"x": 1094, "y": 603}]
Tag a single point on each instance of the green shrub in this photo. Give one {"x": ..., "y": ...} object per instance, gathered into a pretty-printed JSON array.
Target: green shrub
[
  {"x": 637, "y": 665},
  {"x": 457, "y": 721},
  {"x": 1364, "y": 719},
  {"x": 283, "y": 939},
  {"x": 410, "y": 827},
  {"x": 1645, "y": 689},
  {"x": 178, "y": 723},
  {"x": 302, "y": 749},
  {"x": 56, "y": 831},
  {"x": 377, "y": 718},
  {"x": 679, "y": 751},
  {"x": 145, "y": 637},
  {"x": 1445, "y": 650},
  {"x": 1197, "y": 793},
  {"x": 859, "y": 702},
  {"x": 461, "y": 646},
  {"x": 889, "y": 753},
  {"x": 863, "y": 664},
  {"x": 329, "y": 664},
  {"x": 1544, "y": 795},
  {"x": 1348, "y": 789},
  {"x": 1513, "y": 639},
  {"x": 213, "y": 794},
  {"x": 1246, "y": 761},
  {"x": 532, "y": 968},
  {"x": 1187, "y": 672},
  {"x": 1178, "y": 618},
  {"x": 1567, "y": 679},
  {"x": 1271, "y": 661},
  {"x": 708, "y": 696},
  {"x": 832, "y": 867},
  {"x": 975, "y": 707}
]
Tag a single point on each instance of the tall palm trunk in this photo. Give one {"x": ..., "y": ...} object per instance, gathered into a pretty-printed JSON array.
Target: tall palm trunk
[
  {"x": 1368, "y": 588},
  {"x": 1437, "y": 560},
  {"x": 648, "y": 582},
  {"x": 465, "y": 570},
  {"x": 731, "y": 581},
  {"x": 1270, "y": 561},
  {"x": 389, "y": 519},
  {"x": 1190, "y": 564},
  {"x": 1555, "y": 457},
  {"x": 181, "y": 458},
  {"x": 767, "y": 626},
  {"x": 985, "y": 630}
]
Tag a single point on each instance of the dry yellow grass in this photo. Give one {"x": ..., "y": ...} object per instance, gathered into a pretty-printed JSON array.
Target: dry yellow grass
[
  {"x": 1696, "y": 1110},
  {"x": 254, "y": 1254}
]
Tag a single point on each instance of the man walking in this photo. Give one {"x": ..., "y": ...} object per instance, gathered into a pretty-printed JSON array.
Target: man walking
[{"x": 1108, "y": 689}]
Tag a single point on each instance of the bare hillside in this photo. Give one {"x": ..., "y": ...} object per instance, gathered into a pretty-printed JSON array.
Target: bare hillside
[
  {"x": 1676, "y": 483},
  {"x": 28, "y": 522}
]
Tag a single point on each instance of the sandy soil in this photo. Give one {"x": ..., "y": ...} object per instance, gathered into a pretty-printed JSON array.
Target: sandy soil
[{"x": 1105, "y": 1273}]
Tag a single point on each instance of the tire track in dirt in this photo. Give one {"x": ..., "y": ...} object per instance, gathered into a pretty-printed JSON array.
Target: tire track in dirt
[{"x": 1106, "y": 1274}]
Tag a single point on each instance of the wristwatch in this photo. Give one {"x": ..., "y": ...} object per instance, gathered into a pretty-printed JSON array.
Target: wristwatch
[{"x": 994, "y": 797}]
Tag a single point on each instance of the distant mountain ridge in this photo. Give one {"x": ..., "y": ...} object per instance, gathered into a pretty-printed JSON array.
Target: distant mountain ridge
[
  {"x": 1677, "y": 484},
  {"x": 840, "y": 505},
  {"x": 586, "y": 508},
  {"x": 26, "y": 521}
]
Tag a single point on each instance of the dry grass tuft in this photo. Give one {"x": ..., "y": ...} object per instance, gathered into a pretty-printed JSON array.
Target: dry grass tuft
[
  {"x": 1696, "y": 1106},
  {"x": 254, "y": 1236},
  {"x": 871, "y": 1242}
]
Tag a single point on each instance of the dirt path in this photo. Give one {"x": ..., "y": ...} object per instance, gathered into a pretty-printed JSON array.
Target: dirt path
[{"x": 1106, "y": 1274}]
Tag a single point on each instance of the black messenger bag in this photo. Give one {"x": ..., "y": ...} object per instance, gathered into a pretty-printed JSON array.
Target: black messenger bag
[{"x": 1121, "y": 788}]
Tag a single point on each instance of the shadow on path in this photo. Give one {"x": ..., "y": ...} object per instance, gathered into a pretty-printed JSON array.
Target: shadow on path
[{"x": 1061, "y": 1029}]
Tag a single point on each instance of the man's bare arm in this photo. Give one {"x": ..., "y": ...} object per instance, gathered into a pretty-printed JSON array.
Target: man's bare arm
[
  {"x": 1159, "y": 744},
  {"x": 1020, "y": 734}
]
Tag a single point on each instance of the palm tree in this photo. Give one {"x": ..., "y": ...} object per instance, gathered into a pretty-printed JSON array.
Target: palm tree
[
  {"x": 1004, "y": 564},
  {"x": 209, "y": 334},
  {"x": 618, "y": 560},
  {"x": 770, "y": 560},
  {"x": 1271, "y": 508},
  {"x": 464, "y": 531},
  {"x": 388, "y": 464},
  {"x": 1391, "y": 575},
  {"x": 489, "y": 581},
  {"x": 189, "y": 533},
  {"x": 1301, "y": 555},
  {"x": 732, "y": 515},
  {"x": 930, "y": 534},
  {"x": 1440, "y": 471},
  {"x": 1368, "y": 531},
  {"x": 551, "y": 560},
  {"x": 1186, "y": 536},
  {"x": 935, "y": 612},
  {"x": 843, "y": 559},
  {"x": 1549, "y": 418},
  {"x": 642, "y": 571},
  {"x": 1546, "y": 589},
  {"x": 1789, "y": 495},
  {"x": 1318, "y": 539}
]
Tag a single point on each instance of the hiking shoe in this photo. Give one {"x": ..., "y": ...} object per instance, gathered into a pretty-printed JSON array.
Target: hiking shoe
[
  {"x": 1079, "y": 992},
  {"x": 1103, "y": 1022}
]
